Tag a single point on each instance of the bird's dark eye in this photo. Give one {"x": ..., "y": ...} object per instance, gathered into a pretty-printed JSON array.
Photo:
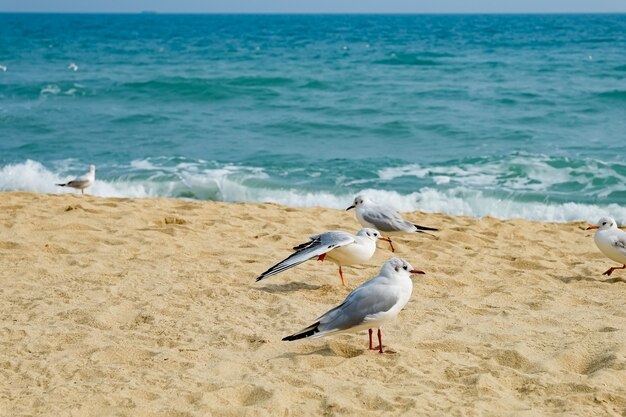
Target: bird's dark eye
[
  {"x": 603, "y": 223},
  {"x": 405, "y": 267}
]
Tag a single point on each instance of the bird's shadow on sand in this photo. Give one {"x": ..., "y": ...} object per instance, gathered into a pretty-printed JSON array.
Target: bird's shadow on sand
[
  {"x": 323, "y": 351},
  {"x": 326, "y": 351},
  {"x": 291, "y": 287},
  {"x": 614, "y": 280}
]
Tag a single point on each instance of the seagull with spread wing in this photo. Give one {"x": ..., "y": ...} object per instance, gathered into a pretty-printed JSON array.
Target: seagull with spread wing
[{"x": 342, "y": 248}]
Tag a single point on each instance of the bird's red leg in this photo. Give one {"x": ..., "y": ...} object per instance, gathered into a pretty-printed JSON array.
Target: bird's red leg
[
  {"x": 341, "y": 275},
  {"x": 370, "y": 332},
  {"x": 380, "y": 343},
  {"x": 321, "y": 257},
  {"x": 609, "y": 271}
]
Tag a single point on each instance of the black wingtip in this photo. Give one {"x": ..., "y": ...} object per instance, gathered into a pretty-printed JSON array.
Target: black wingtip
[
  {"x": 430, "y": 229},
  {"x": 309, "y": 331}
]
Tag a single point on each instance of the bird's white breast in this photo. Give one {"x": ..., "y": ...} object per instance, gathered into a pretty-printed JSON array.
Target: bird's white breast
[
  {"x": 357, "y": 252},
  {"x": 359, "y": 217},
  {"x": 605, "y": 241},
  {"x": 402, "y": 291}
]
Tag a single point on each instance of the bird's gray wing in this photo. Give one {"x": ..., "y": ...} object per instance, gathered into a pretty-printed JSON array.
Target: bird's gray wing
[
  {"x": 333, "y": 236},
  {"x": 318, "y": 245},
  {"x": 386, "y": 220},
  {"x": 363, "y": 304},
  {"x": 78, "y": 182},
  {"x": 620, "y": 243}
]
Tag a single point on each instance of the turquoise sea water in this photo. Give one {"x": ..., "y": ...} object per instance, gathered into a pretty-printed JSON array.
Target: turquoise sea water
[{"x": 510, "y": 116}]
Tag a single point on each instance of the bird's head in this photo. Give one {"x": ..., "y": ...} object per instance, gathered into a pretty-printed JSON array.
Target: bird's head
[
  {"x": 604, "y": 223},
  {"x": 358, "y": 200},
  {"x": 372, "y": 234},
  {"x": 398, "y": 266}
]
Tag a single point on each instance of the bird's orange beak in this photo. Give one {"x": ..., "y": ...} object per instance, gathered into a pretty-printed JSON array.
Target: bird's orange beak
[
  {"x": 417, "y": 271},
  {"x": 386, "y": 239},
  {"x": 592, "y": 227}
]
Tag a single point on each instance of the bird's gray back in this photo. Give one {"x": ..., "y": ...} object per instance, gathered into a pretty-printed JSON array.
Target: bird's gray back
[
  {"x": 334, "y": 238},
  {"x": 361, "y": 303},
  {"x": 386, "y": 220}
]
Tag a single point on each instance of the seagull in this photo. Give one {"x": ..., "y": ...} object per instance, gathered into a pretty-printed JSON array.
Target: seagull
[
  {"x": 72, "y": 67},
  {"x": 342, "y": 248},
  {"x": 611, "y": 241},
  {"x": 82, "y": 182},
  {"x": 370, "y": 305},
  {"x": 3, "y": 68},
  {"x": 384, "y": 218}
]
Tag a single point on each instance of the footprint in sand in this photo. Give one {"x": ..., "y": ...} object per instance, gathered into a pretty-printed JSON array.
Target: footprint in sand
[
  {"x": 9, "y": 245},
  {"x": 174, "y": 220}
]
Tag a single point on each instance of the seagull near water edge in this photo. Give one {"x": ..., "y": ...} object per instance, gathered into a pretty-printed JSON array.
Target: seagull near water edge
[
  {"x": 340, "y": 247},
  {"x": 611, "y": 241},
  {"x": 83, "y": 181},
  {"x": 384, "y": 218},
  {"x": 370, "y": 305}
]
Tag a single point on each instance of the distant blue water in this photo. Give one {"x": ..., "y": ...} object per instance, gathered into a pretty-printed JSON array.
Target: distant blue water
[{"x": 510, "y": 116}]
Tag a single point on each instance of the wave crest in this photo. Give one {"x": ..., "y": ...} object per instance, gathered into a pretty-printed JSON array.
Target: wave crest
[{"x": 464, "y": 190}]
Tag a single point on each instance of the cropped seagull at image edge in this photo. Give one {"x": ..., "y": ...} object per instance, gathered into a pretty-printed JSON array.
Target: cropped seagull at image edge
[
  {"x": 83, "y": 181},
  {"x": 340, "y": 247},
  {"x": 370, "y": 305},
  {"x": 611, "y": 241},
  {"x": 384, "y": 218}
]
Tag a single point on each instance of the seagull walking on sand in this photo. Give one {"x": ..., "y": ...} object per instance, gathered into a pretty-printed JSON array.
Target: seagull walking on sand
[
  {"x": 384, "y": 218},
  {"x": 370, "y": 305},
  {"x": 342, "y": 248},
  {"x": 611, "y": 241},
  {"x": 83, "y": 181}
]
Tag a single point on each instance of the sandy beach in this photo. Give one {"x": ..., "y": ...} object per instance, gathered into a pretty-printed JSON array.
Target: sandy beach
[{"x": 149, "y": 307}]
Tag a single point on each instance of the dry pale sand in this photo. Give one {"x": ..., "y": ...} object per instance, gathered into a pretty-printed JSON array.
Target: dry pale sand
[{"x": 120, "y": 307}]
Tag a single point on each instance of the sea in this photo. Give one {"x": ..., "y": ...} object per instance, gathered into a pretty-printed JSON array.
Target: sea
[{"x": 511, "y": 116}]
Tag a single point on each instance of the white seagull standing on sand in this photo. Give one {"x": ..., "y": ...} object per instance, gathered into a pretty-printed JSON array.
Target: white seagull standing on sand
[
  {"x": 374, "y": 303},
  {"x": 342, "y": 248},
  {"x": 383, "y": 218},
  {"x": 82, "y": 182},
  {"x": 611, "y": 241},
  {"x": 72, "y": 67}
]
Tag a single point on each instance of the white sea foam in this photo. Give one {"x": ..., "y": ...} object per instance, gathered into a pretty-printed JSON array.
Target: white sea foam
[
  {"x": 143, "y": 164},
  {"x": 33, "y": 176},
  {"x": 50, "y": 89},
  {"x": 237, "y": 183},
  {"x": 54, "y": 89},
  {"x": 521, "y": 173},
  {"x": 465, "y": 202}
]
